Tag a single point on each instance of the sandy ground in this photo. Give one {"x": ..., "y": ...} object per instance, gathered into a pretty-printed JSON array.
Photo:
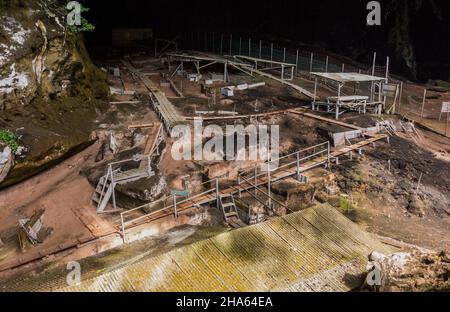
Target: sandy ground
[
  {"x": 65, "y": 196},
  {"x": 65, "y": 193}
]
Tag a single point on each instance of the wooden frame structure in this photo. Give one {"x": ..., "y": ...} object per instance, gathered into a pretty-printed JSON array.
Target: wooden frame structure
[
  {"x": 207, "y": 61},
  {"x": 270, "y": 65},
  {"x": 342, "y": 103}
]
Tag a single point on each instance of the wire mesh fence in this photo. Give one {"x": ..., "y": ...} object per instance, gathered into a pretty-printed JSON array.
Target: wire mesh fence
[{"x": 409, "y": 103}]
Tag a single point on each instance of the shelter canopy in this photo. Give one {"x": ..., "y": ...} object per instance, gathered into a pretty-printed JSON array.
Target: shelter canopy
[{"x": 348, "y": 77}]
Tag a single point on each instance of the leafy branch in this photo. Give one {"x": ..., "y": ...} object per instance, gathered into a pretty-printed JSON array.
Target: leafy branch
[{"x": 9, "y": 139}]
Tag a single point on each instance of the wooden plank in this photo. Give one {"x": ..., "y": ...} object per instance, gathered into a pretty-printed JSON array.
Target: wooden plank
[
  {"x": 125, "y": 102},
  {"x": 148, "y": 125}
]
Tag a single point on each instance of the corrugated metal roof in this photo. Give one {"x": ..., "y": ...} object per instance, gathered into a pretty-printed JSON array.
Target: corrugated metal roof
[
  {"x": 316, "y": 249},
  {"x": 348, "y": 77}
]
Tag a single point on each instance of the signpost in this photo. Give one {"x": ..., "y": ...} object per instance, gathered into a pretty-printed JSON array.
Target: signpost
[{"x": 445, "y": 109}]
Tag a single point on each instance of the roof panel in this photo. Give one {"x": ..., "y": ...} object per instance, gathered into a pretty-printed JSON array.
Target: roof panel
[{"x": 348, "y": 77}]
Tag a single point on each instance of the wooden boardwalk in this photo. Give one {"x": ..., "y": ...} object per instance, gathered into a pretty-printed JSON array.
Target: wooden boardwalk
[
  {"x": 317, "y": 249},
  {"x": 170, "y": 117},
  {"x": 277, "y": 175}
]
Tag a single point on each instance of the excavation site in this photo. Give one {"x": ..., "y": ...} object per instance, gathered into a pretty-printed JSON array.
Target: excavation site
[{"x": 194, "y": 146}]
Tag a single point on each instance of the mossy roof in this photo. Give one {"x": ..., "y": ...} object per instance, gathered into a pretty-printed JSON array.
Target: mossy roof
[{"x": 315, "y": 249}]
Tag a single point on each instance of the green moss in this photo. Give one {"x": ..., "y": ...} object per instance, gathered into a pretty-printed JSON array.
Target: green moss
[
  {"x": 85, "y": 26},
  {"x": 9, "y": 139},
  {"x": 345, "y": 204}
]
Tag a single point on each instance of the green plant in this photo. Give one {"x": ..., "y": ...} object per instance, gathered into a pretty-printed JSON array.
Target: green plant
[
  {"x": 85, "y": 26},
  {"x": 9, "y": 139}
]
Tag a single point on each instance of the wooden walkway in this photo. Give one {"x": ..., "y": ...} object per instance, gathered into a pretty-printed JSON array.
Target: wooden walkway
[
  {"x": 278, "y": 175},
  {"x": 170, "y": 117}
]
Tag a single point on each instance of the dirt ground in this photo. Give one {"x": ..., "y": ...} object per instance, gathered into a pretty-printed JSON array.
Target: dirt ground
[{"x": 389, "y": 203}]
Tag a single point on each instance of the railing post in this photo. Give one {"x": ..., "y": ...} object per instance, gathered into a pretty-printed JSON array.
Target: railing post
[
  {"x": 296, "y": 64},
  {"x": 271, "y": 54},
  {"x": 175, "y": 207},
  {"x": 123, "y": 229},
  {"x": 231, "y": 45},
  {"x": 217, "y": 193},
  {"x": 239, "y": 185},
  {"x": 298, "y": 166},
  {"x": 256, "y": 181},
  {"x": 268, "y": 182},
  {"x": 328, "y": 157},
  {"x": 240, "y": 45},
  {"x": 260, "y": 49},
  {"x": 113, "y": 189}
]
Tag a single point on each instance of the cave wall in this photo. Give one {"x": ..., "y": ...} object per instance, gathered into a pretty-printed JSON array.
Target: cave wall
[
  {"x": 50, "y": 91},
  {"x": 413, "y": 33}
]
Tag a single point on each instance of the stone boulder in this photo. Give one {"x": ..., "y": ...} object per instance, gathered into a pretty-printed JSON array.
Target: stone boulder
[{"x": 6, "y": 161}]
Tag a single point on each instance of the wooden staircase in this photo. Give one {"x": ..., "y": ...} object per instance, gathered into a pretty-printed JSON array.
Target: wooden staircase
[
  {"x": 102, "y": 193},
  {"x": 229, "y": 210},
  {"x": 106, "y": 185}
]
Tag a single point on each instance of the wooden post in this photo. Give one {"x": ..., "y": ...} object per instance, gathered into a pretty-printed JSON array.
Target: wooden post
[
  {"x": 256, "y": 180},
  {"x": 268, "y": 182},
  {"x": 338, "y": 101},
  {"x": 271, "y": 54},
  {"x": 175, "y": 207},
  {"x": 387, "y": 69},
  {"x": 249, "y": 47},
  {"x": 418, "y": 183},
  {"x": 239, "y": 185},
  {"x": 400, "y": 98},
  {"x": 423, "y": 104},
  {"x": 372, "y": 85},
  {"x": 315, "y": 91},
  {"x": 326, "y": 65},
  {"x": 284, "y": 55},
  {"x": 311, "y": 64},
  {"x": 374, "y": 63},
  {"x": 446, "y": 124},
  {"x": 296, "y": 64},
  {"x": 123, "y": 228},
  {"x": 260, "y": 48},
  {"x": 231, "y": 45},
  {"x": 217, "y": 193},
  {"x": 240, "y": 45}
]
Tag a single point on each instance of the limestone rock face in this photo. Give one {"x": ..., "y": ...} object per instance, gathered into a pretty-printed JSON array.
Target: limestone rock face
[
  {"x": 50, "y": 92},
  {"x": 6, "y": 161}
]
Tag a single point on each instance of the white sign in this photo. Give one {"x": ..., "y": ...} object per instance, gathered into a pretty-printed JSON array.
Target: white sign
[
  {"x": 445, "y": 107},
  {"x": 374, "y": 16},
  {"x": 74, "y": 16}
]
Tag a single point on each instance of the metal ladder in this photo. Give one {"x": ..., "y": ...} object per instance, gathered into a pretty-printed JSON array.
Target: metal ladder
[
  {"x": 229, "y": 210},
  {"x": 103, "y": 193}
]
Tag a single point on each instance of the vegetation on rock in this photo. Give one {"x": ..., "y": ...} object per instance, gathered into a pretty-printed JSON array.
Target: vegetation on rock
[
  {"x": 9, "y": 139},
  {"x": 85, "y": 26}
]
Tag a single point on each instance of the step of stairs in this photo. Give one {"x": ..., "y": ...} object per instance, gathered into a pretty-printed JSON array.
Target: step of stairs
[{"x": 229, "y": 209}]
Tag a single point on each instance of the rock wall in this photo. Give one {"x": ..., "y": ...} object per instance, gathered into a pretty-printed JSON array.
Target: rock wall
[{"x": 50, "y": 92}]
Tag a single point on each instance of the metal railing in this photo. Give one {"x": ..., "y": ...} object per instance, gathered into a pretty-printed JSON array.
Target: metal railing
[
  {"x": 167, "y": 210},
  {"x": 297, "y": 159},
  {"x": 310, "y": 153}
]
